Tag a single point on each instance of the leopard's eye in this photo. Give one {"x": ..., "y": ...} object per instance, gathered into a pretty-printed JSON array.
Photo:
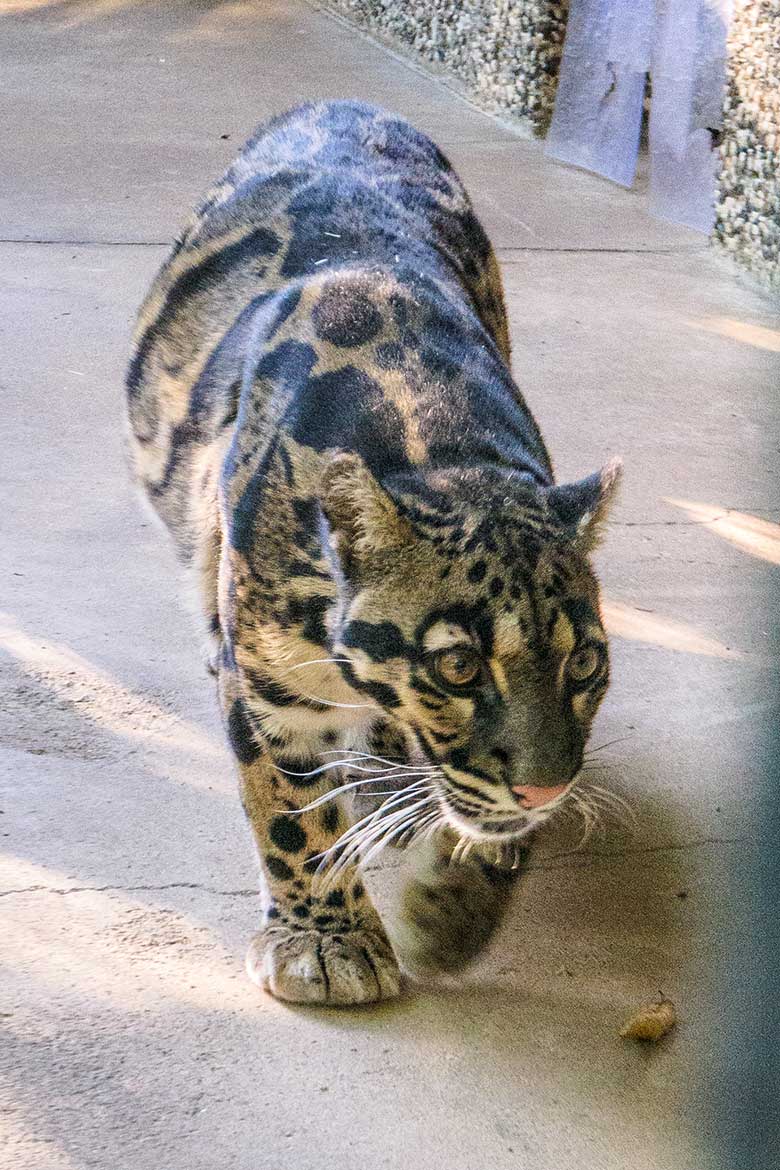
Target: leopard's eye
[
  {"x": 584, "y": 664},
  {"x": 459, "y": 667}
]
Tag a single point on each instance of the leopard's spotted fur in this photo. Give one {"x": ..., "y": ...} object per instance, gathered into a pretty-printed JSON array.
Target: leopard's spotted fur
[{"x": 322, "y": 412}]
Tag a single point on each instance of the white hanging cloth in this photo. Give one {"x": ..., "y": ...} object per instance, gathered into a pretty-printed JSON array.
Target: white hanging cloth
[{"x": 611, "y": 46}]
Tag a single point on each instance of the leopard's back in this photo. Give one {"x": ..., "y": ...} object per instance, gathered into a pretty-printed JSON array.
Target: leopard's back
[{"x": 326, "y": 187}]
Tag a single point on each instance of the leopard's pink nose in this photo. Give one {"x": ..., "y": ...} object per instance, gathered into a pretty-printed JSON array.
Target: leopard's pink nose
[{"x": 533, "y": 797}]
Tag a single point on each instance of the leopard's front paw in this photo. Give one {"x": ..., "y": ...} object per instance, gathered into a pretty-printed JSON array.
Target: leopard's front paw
[
  {"x": 310, "y": 966},
  {"x": 449, "y": 913}
]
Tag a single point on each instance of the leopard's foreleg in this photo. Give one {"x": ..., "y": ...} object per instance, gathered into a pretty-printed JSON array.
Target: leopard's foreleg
[{"x": 320, "y": 939}]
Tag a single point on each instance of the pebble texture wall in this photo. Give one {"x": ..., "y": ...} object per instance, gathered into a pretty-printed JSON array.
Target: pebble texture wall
[
  {"x": 505, "y": 52},
  {"x": 747, "y": 220}
]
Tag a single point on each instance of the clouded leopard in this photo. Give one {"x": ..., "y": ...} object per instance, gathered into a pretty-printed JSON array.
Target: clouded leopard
[{"x": 397, "y": 596}]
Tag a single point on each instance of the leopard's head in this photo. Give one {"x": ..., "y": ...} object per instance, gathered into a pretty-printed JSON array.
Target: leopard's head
[{"x": 470, "y": 613}]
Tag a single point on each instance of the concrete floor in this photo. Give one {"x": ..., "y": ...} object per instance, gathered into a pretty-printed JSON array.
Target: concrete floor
[{"x": 131, "y": 1037}]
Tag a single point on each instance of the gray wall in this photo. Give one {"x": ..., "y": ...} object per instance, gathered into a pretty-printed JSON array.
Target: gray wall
[{"x": 506, "y": 54}]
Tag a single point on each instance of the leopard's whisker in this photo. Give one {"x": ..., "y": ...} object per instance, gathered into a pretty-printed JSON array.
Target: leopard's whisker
[
  {"x": 419, "y": 827},
  {"x": 341, "y": 789},
  {"x": 614, "y": 806},
  {"x": 364, "y": 756},
  {"x": 620, "y": 739},
  {"x": 369, "y": 795},
  {"x": 409, "y": 826},
  {"x": 353, "y": 767},
  {"x": 345, "y": 706},
  {"x": 371, "y": 819},
  {"x": 591, "y": 817},
  {"x": 316, "y": 662},
  {"x": 438, "y": 822},
  {"x": 586, "y": 816},
  {"x": 369, "y": 833},
  {"x": 613, "y": 797},
  {"x": 461, "y": 850}
]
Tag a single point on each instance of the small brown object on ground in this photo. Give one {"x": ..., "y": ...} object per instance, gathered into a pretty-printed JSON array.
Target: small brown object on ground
[{"x": 651, "y": 1022}]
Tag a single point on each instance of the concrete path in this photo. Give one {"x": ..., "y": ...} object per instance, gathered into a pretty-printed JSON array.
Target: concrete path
[{"x": 131, "y": 1038}]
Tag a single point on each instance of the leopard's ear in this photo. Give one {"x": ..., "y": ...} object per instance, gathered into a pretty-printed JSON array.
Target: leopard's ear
[
  {"x": 362, "y": 516},
  {"x": 583, "y": 507}
]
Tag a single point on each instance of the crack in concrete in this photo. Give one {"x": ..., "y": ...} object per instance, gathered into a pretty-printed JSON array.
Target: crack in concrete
[
  {"x": 662, "y": 523},
  {"x": 503, "y": 254},
  {"x": 129, "y": 889},
  {"x": 587, "y": 861},
  {"x": 724, "y": 515},
  {"x": 94, "y": 243}
]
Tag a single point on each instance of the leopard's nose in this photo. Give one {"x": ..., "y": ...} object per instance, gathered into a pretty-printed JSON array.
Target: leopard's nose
[{"x": 532, "y": 796}]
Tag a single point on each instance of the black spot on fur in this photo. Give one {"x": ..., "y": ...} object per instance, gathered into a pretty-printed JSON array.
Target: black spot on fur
[
  {"x": 382, "y": 693},
  {"x": 391, "y": 356},
  {"x": 459, "y": 758},
  {"x": 330, "y": 818},
  {"x": 380, "y": 641},
  {"x": 239, "y": 730},
  {"x": 278, "y": 868},
  {"x": 496, "y": 586},
  {"x": 287, "y": 834},
  {"x": 344, "y": 316},
  {"x": 269, "y": 691},
  {"x": 443, "y": 737},
  {"x": 477, "y": 572},
  {"x": 300, "y": 911},
  {"x": 335, "y": 898},
  {"x": 482, "y": 624},
  {"x": 306, "y": 511},
  {"x": 297, "y": 770},
  {"x": 310, "y": 611},
  {"x": 331, "y": 412},
  {"x": 287, "y": 465}
]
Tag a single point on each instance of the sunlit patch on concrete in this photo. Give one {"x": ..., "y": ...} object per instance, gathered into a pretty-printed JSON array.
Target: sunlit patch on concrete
[
  {"x": 219, "y": 21},
  {"x": 18, "y": 1135},
  {"x": 117, "y": 949},
  {"x": 638, "y": 625},
  {"x": 69, "y": 15},
  {"x": 751, "y": 534},
  {"x": 97, "y": 698},
  {"x": 758, "y": 336}
]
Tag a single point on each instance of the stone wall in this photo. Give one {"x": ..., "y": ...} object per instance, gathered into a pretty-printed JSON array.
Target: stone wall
[
  {"x": 505, "y": 52},
  {"x": 748, "y": 203}
]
